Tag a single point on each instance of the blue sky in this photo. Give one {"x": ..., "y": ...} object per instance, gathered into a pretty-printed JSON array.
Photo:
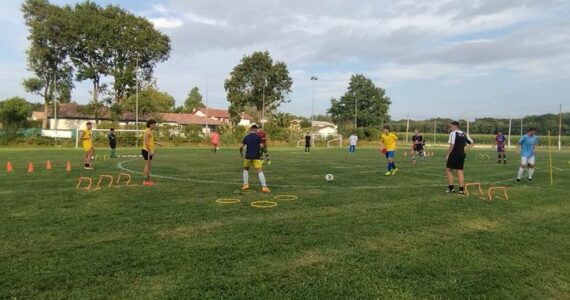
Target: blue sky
[{"x": 441, "y": 58}]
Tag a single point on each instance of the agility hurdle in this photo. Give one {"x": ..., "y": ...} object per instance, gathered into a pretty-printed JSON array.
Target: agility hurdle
[
  {"x": 84, "y": 179},
  {"x": 101, "y": 178},
  {"x": 474, "y": 184},
  {"x": 497, "y": 189},
  {"x": 127, "y": 177}
]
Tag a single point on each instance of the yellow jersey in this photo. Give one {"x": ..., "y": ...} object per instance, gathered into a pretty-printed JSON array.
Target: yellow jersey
[
  {"x": 150, "y": 146},
  {"x": 87, "y": 142},
  {"x": 389, "y": 140}
]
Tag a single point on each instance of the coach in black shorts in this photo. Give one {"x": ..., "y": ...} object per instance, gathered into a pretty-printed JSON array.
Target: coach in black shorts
[{"x": 459, "y": 142}]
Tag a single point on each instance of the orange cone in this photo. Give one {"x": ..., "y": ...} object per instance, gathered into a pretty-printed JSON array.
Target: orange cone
[
  {"x": 9, "y": 168},
  {"x": 48, "y": 165},
  {"x": 31, "y": 167},
  {"x": 68, "y": 167}
]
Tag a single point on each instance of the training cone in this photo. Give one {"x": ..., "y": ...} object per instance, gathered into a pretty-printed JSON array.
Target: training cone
[
  {"x": 68, "y": 167},
  {"x": 31, "y": 167},
  {"x": 9, "y": 168},
  {"x": 48, "y": 165}
]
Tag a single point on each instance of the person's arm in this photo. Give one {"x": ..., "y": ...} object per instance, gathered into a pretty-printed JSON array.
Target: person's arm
[
  {"x": 451, "y": 143},
  {"x": 470, "y": 144},
  {"x": 241, "y": 148}
]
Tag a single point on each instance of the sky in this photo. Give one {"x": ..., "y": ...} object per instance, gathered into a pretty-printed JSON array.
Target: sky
[{"x": 436, "y": 58}]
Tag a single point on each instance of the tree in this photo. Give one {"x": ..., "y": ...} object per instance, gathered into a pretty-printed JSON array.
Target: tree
[
  {"x": 372, "y": 104},
  {"x": 259, "y": 82},
  {"x": 151, "y": 101},
  {"x": 282, "y": 119},
  {"x": 13, "y": 115},
  {"x": 47, "y": 55},
  {"x": 194, "y": 100},
  {"x": 134, "y": 46}
]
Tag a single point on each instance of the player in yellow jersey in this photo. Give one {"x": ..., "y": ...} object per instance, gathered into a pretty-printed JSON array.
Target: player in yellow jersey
[
  {"x": 389, "y": 144},
  {"x": 87, "y": 141},
  {"x": 148, "y": 151}
]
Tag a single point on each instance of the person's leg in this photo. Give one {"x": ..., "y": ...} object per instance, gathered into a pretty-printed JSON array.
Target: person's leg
[
  {"x": 530, "y": 168},
  {"x": 461, "y": 180},
  {"x": 261, "y": 177},
  {"x": 245, "y": 174},
  {"x": 90, "y": 154},
  {"x": 504, "y": 156},
  {"x": 85, "y": 159},
  {"x": 524, "y": 165},
  {"x": 146, "y": 172},
  {"x": 449, "y": 174}
]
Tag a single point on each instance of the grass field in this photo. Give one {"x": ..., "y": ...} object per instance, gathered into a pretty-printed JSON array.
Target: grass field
[{"x": 362, "y": 236}]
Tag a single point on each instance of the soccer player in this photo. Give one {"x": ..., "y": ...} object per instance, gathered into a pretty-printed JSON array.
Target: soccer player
[
  {"x": 215, "y": 140},
  {"x": 389, "y": 142},
  {"x": 253, "y": 143},
  {"x": 459, "y": 144},
  {"x": 418, "y": 147},
  {"x": 353, "y": 139},
  {"x": 308, "y": 142},
  {"x": 264, "y": 151},
  {"x": 501, "y": 139},
  {"x": 528, "y": 144},
  {"x": 148, "y": 151},
  {"x": 87, "y": 140},
  {"x": 112, "y": 142}
]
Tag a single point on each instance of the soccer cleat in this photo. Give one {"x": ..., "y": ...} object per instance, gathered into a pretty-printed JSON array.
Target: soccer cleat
[
  {"x": 265, "y": 190},
  {"x": 269, "y": 162},
  {"x": 518, "y": 180},
  {"x": 462, "y": 193},
  {"x": 448, "y": 190},
  {"x": 148, "y": 183},
  {"x": 245, "y": 187},
  {"x": 388, "y": 173},
  {"x": 395, "y": 171},
  {"x": 530, "y": 180},
  {"x": 88, "y": 168}
]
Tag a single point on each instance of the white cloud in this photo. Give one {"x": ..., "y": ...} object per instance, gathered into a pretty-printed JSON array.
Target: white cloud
[{"x": 167, "y": 23}]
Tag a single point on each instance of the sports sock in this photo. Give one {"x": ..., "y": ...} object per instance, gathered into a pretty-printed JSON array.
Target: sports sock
[
  {"x": 530, "y": 173},
  {"x": 461, "y": 188},
  {"x": 394, "y": 165},
  {"x": 389, "y": 167},
  {"x": 521, "y": 171},
  {"x": 245, "y": 177},
  {"x": 262, "y": 179}
]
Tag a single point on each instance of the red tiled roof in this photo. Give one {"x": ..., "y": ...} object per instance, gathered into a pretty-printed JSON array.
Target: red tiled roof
[{"x": 188, "y": 119}]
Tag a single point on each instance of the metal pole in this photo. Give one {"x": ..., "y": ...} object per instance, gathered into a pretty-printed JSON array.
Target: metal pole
[
  {"x": 355, "y": 111},
  {"x": 510, "y": 124},
  {"x": 263, "y": 102},
  {"x": 434, "y": 132},
  {"x": 313, "y": 79},
  {"x": 137, "y": 100},
  {"x": 522, "y": 126},
  {"x": 407, "y": 127},
  {"x": 207, "y": 114},
  {"x": 55, "y": 102},
  {"x": 467, "y": 123},
  {"x": 560, "y": 128}
]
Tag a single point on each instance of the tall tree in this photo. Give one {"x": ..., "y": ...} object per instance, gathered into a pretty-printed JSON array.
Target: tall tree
[
  {"x": 134, "y": 46},
  {"x": 371, "y": 101},
  {"x": 151, "y": 101},
  {"x": 259, "y": 82},
  {"x": 194, "y": 100},
  {"x": 13, "y": 114},
  {"x": 47, "y": 56}
]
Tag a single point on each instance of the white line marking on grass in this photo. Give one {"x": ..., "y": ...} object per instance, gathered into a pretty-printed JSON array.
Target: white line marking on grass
[
  {"x": 121, "y": 167},
  {"x": 558, "y": 169}
]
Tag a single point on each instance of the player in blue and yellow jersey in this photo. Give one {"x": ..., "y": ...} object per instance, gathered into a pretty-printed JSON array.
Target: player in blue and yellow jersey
[
  {"x": 389, "y": 143},
  {"x": 253, "y": 143},
  {"x": 528, "y": 144},
  {"x": 501, "y": 140}
]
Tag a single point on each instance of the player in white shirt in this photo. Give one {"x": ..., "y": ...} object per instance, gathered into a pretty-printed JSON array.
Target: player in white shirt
[{"x": 353, "y": 140}]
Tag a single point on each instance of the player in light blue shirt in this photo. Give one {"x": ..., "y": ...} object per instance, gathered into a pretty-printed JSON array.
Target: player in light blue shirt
[{"x": 528, "y": 144}]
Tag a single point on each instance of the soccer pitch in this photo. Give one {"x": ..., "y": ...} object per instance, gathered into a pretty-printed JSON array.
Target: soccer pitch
[{"x": 363, "y": 235}]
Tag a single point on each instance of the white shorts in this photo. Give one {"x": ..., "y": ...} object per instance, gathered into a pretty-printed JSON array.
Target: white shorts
[{"x": 527, "y": 160}]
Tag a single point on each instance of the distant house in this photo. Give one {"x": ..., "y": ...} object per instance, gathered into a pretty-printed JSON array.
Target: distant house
[
  {"x": 324, "y": 128},
  {"x": 222, "y": 115},
  {"x": 72, "y": 116}
]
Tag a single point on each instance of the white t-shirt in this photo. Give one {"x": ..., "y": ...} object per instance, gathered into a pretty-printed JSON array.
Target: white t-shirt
[{"x": 353, "y": 139}]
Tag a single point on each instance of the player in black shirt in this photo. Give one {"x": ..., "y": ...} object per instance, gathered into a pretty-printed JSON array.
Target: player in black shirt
[
  {"x": 459, "y": 142},
  {"x": 418, "y": 147},
  {"x": 112, "y": 142},
  {"x": 308, "y": 142}
]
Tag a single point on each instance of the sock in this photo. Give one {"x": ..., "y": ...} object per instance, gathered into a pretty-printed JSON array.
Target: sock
[
  {"x": 389, "y": 167},
  {"x": 262, "y": 179},
  {"x": 87, "y": 165},
  {"x": 245, "y": 177},
  {"x": 394, "y": 165},
  {"x": 530, "y": 173},
  {"x": 461, "y": 188},
  {"x": 521, "y": 171},
  {"x": 450, "y": 187}
]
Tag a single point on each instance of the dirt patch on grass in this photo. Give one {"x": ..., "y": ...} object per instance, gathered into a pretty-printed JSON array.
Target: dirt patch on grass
[
  {"x": 190, "y": 231},
  {"x": 480, "y": 224},
  {"x": 312, "y": 258}
]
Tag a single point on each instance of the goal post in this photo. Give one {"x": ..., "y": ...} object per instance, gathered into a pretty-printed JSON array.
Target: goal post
[
  {"x": 335, "y": 141},
  {"x": 125, "y": 137}
]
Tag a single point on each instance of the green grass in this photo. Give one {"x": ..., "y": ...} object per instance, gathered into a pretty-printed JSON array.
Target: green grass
[{"x": 362, "y": 236}]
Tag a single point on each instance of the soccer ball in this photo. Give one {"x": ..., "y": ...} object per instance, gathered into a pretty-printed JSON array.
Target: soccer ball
[{"x": 329, "y": 177}]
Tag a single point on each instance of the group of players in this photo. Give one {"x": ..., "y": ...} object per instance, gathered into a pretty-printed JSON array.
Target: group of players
[{"x": 256, "y": 152}]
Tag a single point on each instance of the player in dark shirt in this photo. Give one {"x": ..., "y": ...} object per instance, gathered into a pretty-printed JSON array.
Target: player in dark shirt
[
  {"x": 459, "y": 142},
  {"x": 308, "y": 142},
  {"x": 418, "y": 147},
  {"x": 253, "y": 143},
  {"x": 501, "y": 139},
  {"x": 112, "y": 142}
]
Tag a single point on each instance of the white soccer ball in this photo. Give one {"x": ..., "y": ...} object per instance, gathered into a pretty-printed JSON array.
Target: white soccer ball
[{"x": 329, "y": 177}]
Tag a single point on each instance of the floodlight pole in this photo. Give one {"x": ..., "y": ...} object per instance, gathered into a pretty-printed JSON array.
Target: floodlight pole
[
  {"x": 434, "y": 132},
  {"x": 407, "y": 127},
  {"x": 468, "y": 123},
  {"x": 355, "y": 111},
  {"x": 510, "y": 124},
  {"x": 137, "y": 99},
  {"x": 560, "y": 128},
  {"x": 313, "y": 79}
]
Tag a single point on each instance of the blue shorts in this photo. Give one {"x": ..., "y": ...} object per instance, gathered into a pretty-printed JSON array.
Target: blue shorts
[{"x": 390, "y": 154}]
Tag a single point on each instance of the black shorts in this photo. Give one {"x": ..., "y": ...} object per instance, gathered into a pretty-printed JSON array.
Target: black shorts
[
  {"x": 419, "y": 149},
  {"x": 146, "y": 155},
  {"x": 455, "y": 162}
]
